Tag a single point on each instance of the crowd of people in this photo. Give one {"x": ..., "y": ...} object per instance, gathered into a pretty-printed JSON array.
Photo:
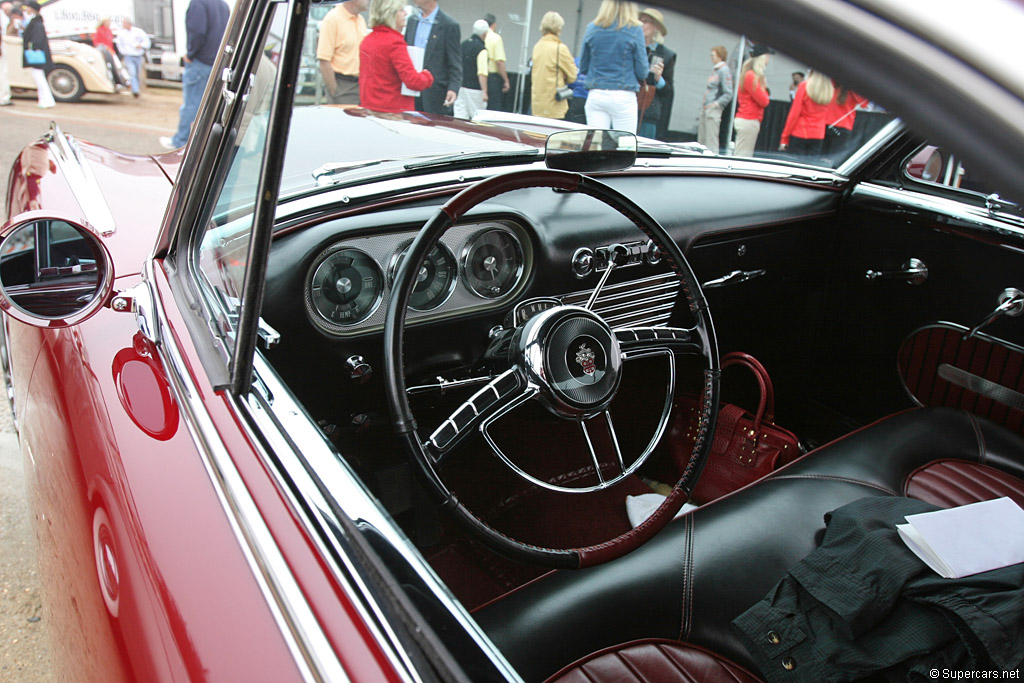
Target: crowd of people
[
  {"x": 24, "y": 20},
  {"x": 127, "y": 46},
  {"x": 623, "y": 77},
  {"x": 205, "y": 23}
]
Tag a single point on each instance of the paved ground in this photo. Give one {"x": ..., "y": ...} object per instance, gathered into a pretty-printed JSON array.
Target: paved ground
[{"x": 128, "y": 125}]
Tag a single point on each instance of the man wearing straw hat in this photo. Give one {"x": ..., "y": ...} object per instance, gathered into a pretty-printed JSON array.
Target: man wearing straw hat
[{"x": 655, "y": 119}]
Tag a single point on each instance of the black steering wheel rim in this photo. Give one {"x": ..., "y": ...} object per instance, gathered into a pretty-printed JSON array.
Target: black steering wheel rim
[{"x": 401, "y": 412}]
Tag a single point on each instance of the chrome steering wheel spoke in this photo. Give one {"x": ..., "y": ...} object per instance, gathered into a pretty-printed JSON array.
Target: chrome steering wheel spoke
[
  {"x": 496, "y": 398},
  {"x": 637, "y": 342}
]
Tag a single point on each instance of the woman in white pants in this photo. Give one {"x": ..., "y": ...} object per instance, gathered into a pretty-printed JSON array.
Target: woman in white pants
[
  {"x": 614, "y": 57},
  {"x": 36, "y": 52}
]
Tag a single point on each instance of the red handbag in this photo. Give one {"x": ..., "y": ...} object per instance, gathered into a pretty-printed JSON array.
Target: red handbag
[
  {"x": 645, "y": 96},
  {"x": 746, "y": 447}
]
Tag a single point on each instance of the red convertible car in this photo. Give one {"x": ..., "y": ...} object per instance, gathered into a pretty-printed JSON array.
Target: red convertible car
[{"x": 333, "y": 394}]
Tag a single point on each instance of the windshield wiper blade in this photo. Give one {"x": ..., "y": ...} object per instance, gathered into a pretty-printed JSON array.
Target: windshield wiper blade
[
  {"x": 477, "y": 159},
  {"x": 668, "y": 149},
  {"x": 323, "y": 174}
]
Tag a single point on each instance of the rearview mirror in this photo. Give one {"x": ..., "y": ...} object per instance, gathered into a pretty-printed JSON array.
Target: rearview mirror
[
  {"x": 589, "y": 151},
  {"x": 54, "y": 272}
]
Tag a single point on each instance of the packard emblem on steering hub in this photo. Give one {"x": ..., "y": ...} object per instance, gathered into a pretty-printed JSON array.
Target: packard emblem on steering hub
[{"x": 585, "y": 357}]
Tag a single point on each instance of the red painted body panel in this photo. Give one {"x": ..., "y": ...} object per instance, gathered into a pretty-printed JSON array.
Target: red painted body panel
[
  {"x": 358, "y": 652},
  {"x": 183, "y": 582},
  {"x": 112, "y": 465}
]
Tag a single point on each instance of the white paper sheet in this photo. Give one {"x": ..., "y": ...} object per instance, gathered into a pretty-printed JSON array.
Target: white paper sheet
[
  {"x": 416, "y": 55},
  {"x": 969, "y": 539},
  {"x": 639, "y": 508}
]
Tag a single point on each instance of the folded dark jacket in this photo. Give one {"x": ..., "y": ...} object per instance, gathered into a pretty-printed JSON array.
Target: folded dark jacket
[{"x": 863, "y": 603}]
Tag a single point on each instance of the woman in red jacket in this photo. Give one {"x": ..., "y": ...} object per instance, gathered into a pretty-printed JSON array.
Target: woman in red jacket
[
  {"x": 752, "y": 100},
  {"x": 384, "y": 63},
  {"x": 804, "y": 133},
  {"x": 842, "y": 112}
]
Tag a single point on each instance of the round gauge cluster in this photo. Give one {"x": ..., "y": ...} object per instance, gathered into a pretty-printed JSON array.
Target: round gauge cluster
[
  {"x": 492, "y": 263},
  {"x": 434, "y": 282},
  {"x": 346, "y": 284}
]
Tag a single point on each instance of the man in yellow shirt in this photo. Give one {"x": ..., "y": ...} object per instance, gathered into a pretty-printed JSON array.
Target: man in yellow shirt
[
  {"x": 337, "y": 51},
  {"x": 497, "y": 75}
]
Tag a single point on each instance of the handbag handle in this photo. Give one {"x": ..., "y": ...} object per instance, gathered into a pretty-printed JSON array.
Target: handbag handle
[{"x": 766, "y": 403}]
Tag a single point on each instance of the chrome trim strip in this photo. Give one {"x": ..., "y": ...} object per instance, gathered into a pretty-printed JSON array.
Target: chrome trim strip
[
  {"x": 81, "y": 180},
  {"x": 771, "y": 169},
  {"x": 370, "y": 613},
  {"x": 649, "y": 300},
  {"x": 314, "y": 657},
  {"x": 306, "y": 441},
  {"x": 948, "y": 207},
  {"x": 868, "y": 150},
  {"x": 980, "y": 385}
]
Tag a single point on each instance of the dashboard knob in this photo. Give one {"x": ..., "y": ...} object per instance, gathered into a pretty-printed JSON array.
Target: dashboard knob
[
  {"x": 359, "y": 370},
  {"x": 583, "y": 262}
]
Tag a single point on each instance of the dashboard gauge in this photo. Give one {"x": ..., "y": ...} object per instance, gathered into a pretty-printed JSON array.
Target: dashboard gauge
[
  {"x": 492, "y": 263},
  {"x": 434, "y": 282},
  {"x": 346, "y": 287}
]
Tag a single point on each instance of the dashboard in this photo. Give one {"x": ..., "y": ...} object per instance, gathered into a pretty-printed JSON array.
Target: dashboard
[{"x": 329, "y": 281}]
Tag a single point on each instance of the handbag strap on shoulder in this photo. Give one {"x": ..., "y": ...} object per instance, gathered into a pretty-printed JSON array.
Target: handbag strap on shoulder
[{"x": 766, "y": 403}]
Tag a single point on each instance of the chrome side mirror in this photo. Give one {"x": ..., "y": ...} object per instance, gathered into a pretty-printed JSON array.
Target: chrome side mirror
[
  {"x": 589, "y": 151},
  {"x": 54, "y": 271}
]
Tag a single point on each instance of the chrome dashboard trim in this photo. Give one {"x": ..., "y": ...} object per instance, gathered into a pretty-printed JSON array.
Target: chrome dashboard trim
[
  {"x": 453, "y": 181},
  {"x": 948, "y": 207},
  {"x": 81, "y": 180},
  {"x": 645, "y": 301},
  {"x": 313, "y": 654}
]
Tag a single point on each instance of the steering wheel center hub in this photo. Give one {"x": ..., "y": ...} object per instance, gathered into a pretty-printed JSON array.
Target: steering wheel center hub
[{"x": 573, "y": 358}]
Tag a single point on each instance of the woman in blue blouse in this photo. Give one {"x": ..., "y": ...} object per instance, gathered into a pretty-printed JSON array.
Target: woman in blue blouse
[{"x": 614, "y": 58}]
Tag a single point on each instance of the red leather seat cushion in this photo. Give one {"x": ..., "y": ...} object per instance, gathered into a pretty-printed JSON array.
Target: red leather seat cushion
[
  {"x": 654, "y": 660},
  {"x": 948, "y": 483}
]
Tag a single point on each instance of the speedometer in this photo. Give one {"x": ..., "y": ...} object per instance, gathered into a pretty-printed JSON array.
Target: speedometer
[
  {"x": 435, "y": 279},
  {"x": 492, "y": 263},
  {"x": 346, "y": 287}
]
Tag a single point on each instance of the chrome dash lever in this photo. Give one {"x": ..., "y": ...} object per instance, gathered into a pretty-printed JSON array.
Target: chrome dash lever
[
  {"x": 617, "y": 255},
  {"x": 915, "y": 272},
  {"x": 1010, "y": 303},
  {"x": 734, "y": 278}
]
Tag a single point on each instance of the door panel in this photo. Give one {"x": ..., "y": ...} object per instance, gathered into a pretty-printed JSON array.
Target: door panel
[{"x": 867, "y": 320}]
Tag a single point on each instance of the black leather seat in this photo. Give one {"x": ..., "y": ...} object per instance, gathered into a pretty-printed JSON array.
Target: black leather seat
[{"x": 687, "y": 584}]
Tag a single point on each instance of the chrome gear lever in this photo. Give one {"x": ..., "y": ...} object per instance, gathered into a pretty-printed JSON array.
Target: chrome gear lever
[{"x": 618, "y": 255}]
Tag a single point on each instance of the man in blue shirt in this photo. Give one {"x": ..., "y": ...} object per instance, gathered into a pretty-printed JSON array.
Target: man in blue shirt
[
  {"x": 438, "y": 34},
  {"x": 205, "y": 22}
]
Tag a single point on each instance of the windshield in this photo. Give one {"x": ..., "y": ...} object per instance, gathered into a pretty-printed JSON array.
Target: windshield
[{"x": 505, "y": 84}]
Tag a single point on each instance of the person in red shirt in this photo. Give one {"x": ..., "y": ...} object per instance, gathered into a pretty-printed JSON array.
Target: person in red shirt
[
  {"x": 841, "y": 114},
  {"x": 804, "y": 133},
  {"x": 384, "y": 63},
  {"x": 752, "y": 100},
  {"x": 103, "y": 35}
]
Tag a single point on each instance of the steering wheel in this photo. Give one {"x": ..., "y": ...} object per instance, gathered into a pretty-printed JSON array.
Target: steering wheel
[{"x": 567, "y": 358}]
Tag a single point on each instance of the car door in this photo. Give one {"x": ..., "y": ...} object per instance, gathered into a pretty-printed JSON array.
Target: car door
[{"x": 925, "y": 295}]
